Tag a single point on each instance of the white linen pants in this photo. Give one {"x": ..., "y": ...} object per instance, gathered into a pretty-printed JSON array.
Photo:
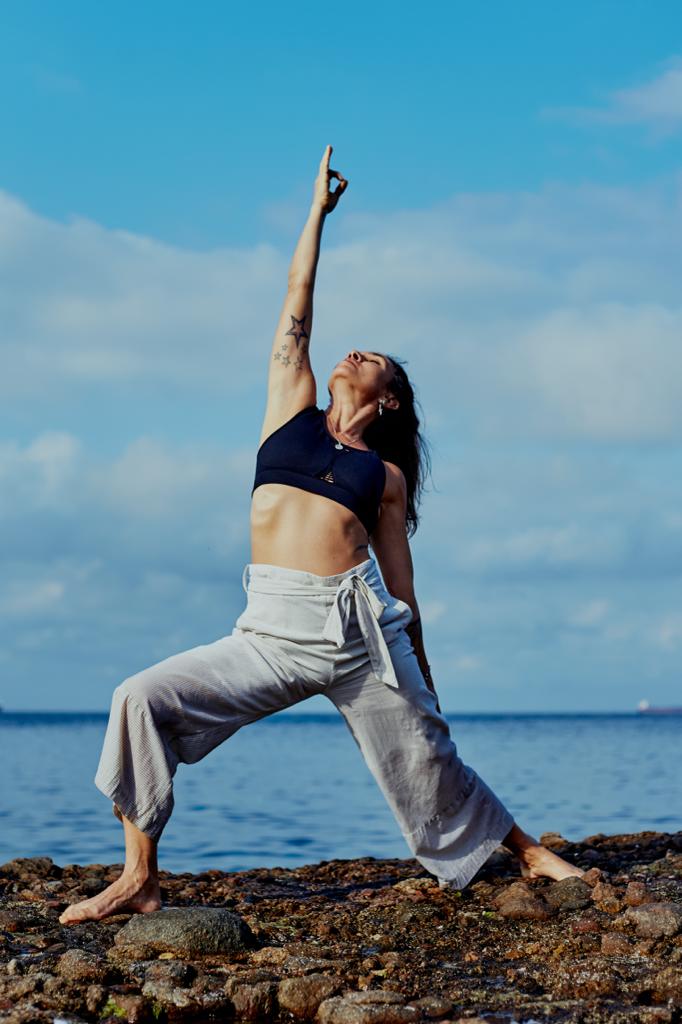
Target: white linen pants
[{"x": 302, "y": 634}]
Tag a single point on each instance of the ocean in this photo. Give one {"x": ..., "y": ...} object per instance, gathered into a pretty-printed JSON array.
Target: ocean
[{"x": 293, "y": 789}]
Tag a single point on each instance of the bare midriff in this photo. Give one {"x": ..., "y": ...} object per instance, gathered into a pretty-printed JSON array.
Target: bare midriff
[{"x": 296, "y": 529}]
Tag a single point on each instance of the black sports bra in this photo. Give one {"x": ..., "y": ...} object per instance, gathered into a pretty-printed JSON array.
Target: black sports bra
[{"x": 302, "y": 453}]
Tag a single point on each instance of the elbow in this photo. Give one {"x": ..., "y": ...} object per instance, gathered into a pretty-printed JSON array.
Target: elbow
[{"x": 299, "y": 283}]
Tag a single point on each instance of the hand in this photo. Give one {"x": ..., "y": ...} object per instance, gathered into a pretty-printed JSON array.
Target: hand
[
  {"x": 323, "y": 198},
  {"x": 414, "y": 631}
]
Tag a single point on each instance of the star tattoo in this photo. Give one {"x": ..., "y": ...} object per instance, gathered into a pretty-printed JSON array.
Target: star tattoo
[{"x": 297, "y": 329}]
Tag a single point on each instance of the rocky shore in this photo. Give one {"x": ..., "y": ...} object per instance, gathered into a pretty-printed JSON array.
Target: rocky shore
[{"x": 356, "y": 942}]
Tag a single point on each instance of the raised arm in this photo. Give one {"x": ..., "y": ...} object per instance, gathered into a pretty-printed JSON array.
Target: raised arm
[{"x": 291, "y": 384}]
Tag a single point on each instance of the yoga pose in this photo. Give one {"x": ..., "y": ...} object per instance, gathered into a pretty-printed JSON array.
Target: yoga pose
[{"x": 319, "y": 619}]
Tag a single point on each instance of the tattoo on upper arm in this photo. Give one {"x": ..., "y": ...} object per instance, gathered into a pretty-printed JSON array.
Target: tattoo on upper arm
[
  {"x": 301, "y": 338},
  {"x": 297, "y": 329}
]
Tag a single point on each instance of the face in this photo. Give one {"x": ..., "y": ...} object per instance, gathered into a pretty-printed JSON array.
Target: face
[{"x": 369, "y": 373}]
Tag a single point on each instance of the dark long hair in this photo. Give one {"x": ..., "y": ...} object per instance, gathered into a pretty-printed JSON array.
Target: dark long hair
[{"x": 395, "y": 435}]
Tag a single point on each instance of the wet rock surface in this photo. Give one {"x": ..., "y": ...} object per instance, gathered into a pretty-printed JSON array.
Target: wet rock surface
[
  {"x": 184, "y": 931},
  {"x": 356, "y": 942}
]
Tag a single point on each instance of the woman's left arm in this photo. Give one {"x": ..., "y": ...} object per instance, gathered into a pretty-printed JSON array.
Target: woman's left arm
[{"x": 391, "y": 546}]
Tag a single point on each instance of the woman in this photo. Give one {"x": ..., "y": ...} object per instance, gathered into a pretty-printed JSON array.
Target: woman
[{"x": 318, "y": 619}]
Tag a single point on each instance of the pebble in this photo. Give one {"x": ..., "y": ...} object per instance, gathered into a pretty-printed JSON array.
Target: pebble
[
  {"x": 252, "y": 1000},
  {"x": 607, "y": 898},
  {"x": 381, "y": 1008},
  {"x": 77, "y": 965},
  {"x": 667, "y": 984},
  {"x": 171, "y": 972},
  {"x": 520, "y": 903},
  {"x": 637, "y": 893},
  {"x": 302, "y": 996},
  {"x": 613, "y": 943},
  {"x": 570, "y": 893},
  {"x": 432, "y": 1007},
  {"x": 654, "y": 920}
]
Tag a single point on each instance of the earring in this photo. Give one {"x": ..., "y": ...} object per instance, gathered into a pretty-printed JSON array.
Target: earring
[{"x": 381, "y": 406}]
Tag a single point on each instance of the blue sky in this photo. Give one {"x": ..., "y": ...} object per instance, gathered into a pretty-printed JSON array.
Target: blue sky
[{"x": 511, "y": 228}]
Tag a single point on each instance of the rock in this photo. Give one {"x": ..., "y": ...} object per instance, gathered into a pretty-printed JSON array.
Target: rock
[
  {"x": 95, "y": 997},
  {"x": 170, "y": 997},
  {"x": 252, "y": 1000},
  {"x": 444, "y": 952},
  {"x": 509, "y": 891},
  {"x": 371, "y": 1007},
  {"x": 171, "y": 972},
  {"x": 30, "y": 867},
  {"x": 302, "y": 996},
  {"x": 592, "y": 876},
  {"x": 667, "y": 984},
  {"x": 606, "y": 897},
  {"x": 270, "y": 956},
  {"x": 638, "y": 893},
  {"x": 518, "y": 902},
  {"x": 553, "y": 841},
  {"x": 311, "y": 965},
  {"x": 416, "y": 884},
  {"x": 570, "y": 893},
  {"x": 585, "y": 924},
  {"x": 77, "y": 965},
  {"x": 124, "y": 1005},
  {"x": 585, "y": 978},
  {"x": 654, "y": 920},
  {"x": 432, "y": 1007},
  {"x": 186, "y": 931},
  {"x": 377, "y": 995},
  {"x": 613, "y": 943},
  {"x": 17, "y": 919}
]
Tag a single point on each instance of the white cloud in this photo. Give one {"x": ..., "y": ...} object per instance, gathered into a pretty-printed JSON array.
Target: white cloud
[
  {"x": 432, "y": 611},
  {"x": 22, "y": 598},
  {"x": 541, "y": 548},
  {"x": 668, "y": 632},
  {"x": 658, "y": 100},
  {"x": 609, "y": 372},
  {"x": 589, "y": 615},
  {"x": 656, "y": 103},
  {"x": 552, "y": 314},
  {"x": 467, "y": 663}
]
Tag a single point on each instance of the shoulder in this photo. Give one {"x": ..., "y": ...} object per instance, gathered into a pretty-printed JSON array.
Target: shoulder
[{"x": 395, "y": 490}]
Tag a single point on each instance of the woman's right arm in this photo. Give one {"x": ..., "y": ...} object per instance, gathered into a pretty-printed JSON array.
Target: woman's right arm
[{"x": 291, "y": 384}]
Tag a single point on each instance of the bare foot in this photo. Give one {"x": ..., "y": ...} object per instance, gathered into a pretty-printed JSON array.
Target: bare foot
[
  {"x": 127, "y": 894},
  {"x": 539, "y": 862}
]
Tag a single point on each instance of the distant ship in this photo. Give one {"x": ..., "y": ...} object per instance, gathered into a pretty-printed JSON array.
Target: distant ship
[{"x": 645, "y": 708}]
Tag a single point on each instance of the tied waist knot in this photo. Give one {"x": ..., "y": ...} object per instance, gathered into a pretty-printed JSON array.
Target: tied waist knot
[{"x": 369, "y": 607}]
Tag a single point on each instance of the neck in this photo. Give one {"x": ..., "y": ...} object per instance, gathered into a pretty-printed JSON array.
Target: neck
[{"x": 347, "y": 420}]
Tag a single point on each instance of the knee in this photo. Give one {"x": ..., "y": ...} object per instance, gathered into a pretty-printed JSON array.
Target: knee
[{"x": 141, "y": 688}]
